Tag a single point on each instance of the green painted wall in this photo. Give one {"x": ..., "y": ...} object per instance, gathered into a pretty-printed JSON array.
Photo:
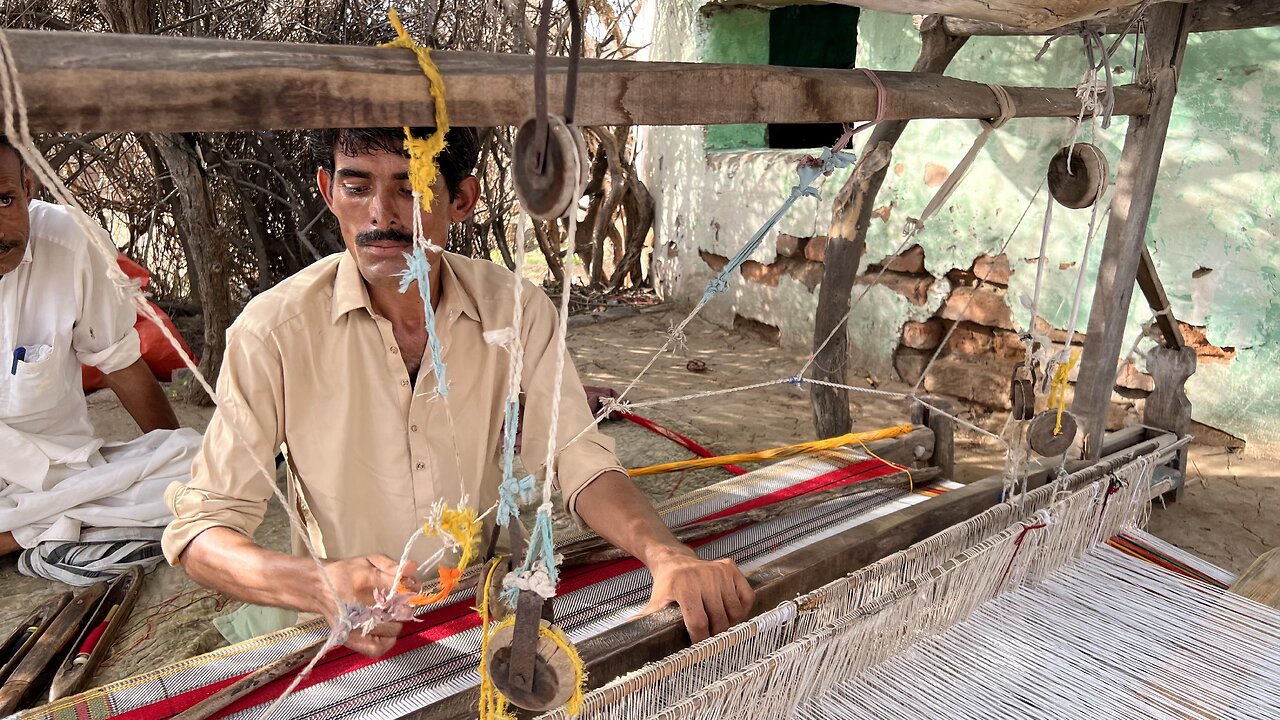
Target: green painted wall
[
  {"x": 736, "y": 35},
  {"x": 1212, "y": 230}
]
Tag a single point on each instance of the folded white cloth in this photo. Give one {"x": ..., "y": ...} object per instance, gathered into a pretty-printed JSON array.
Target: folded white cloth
[{"x": 51, "y": 487}]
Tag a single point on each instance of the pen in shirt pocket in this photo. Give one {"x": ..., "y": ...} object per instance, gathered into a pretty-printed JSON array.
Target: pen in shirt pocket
[{"x": 19, "y": 355}]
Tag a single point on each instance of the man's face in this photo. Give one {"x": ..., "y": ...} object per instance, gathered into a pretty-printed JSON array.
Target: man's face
[
  {"x": 16, "y": 187},
  {"x": 371, "y": 196}
]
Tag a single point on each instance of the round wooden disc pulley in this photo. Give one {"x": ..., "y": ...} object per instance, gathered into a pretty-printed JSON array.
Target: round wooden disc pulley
[
  {"x": 550, "y": 179},
  {"x": 1078, "y": 176}
]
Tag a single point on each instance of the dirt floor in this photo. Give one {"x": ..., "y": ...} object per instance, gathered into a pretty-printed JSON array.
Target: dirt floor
[{"x": 1223, "y": 517}]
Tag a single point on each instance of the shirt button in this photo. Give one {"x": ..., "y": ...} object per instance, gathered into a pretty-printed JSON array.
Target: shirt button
[
  {"x": 422, "y": 466},
  {"x": 404, "y": 383},
  {"x": 395, "y": 350},
  {"x": 413, "y": 428}
]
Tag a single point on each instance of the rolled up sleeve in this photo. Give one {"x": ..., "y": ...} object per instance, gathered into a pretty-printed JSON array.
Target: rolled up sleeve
[
  {"x": 228, "y": 486},
  {"x": 579, "y": 461},
  {"x": 104, "y": 336}
]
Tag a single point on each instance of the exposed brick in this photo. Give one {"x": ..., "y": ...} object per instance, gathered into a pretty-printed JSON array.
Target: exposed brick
[
  {"x": 790, "y": 245},
  {"x": 1206, "y": 351},
  {"x": 899, "y": 169},
  {"x": 762, "y": 329},
  {"x": 1059, "y": 335},
  {"x": 757, "y": 272},
  {"x": 981, "y": 306},
  {"x": 713, "y": 261},
  {"x": 1209, "y": 435},
  {"x": 981, "y": 382},
  {"x": 1131, "y": 379},
  {"x": 915, "y": 288},
  {"x": 935, "y": 174},
  {"x": 883, "y": 212},
  {"x": 809, "y": 273},
  {"x": 816, "y": 249},
  {"x": 923, "y": 335},
  {"x": 995, "y": 269},
  {"x": 910, "y": 260},
  {"x": 970, "y": 339},
  {"x": 1007, "y": 346},
  {"x": 910, "y": 363}
]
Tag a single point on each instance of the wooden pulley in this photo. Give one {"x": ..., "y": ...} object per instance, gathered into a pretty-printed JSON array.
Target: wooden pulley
[
  {"x": 1041, "y": 438},
  {"x": 1022, "y": 394},
  {"x": 550, "y": 179},
  {"x": 1080, "y": 182},
  {"x": 554, "y": 678}
]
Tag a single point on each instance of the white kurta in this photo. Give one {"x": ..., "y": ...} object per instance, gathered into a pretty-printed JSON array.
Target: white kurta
[{"x": 60, "y": 307}]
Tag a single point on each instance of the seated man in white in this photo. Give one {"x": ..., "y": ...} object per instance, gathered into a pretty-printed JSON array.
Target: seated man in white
[{"x": 80, "y": 509}]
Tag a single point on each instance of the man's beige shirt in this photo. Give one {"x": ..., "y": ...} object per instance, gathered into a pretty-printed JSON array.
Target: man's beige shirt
[{"x": 311, "y": 366}]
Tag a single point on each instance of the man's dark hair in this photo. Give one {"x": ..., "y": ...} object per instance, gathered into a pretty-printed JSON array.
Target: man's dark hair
[{"x": 457, "y": 161}]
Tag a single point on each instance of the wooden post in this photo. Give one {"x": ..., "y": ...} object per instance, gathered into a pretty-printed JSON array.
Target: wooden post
[
  {"x": 944, "y": 433},
  {"x": 1130, "y": 209},
  {"x": 846, "y": 241},
  {"x": 1261, "y": 582},
  {"x": 87, "y": 82}
]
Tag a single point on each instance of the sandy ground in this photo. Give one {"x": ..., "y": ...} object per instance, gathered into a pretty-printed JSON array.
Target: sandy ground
[{"x": 1227, "y": 516}]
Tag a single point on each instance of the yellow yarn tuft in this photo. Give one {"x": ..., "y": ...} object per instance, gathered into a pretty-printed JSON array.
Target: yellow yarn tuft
[
  {"x": 493, "y": 706},
  {"x": 422, "y": 151},
  {"x": 464, "y": 527},
  {"x": 773, "y": 453},
  {"x": 1058, "y": 389}
]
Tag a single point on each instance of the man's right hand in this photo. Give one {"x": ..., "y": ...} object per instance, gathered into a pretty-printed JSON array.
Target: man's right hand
[
  {"x": 355, "y": 579},
  {"x": 232, "y": 563}
]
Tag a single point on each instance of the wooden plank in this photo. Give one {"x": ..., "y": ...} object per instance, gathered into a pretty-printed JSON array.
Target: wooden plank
[
  {"x": 171, "y": 84},
  {"x": 1158, "y": 301},
  {"x": 1261, "y": 582},
  {"x": 1206, "y": 16},
  {"x": 847, "y": 232},
  {"x": 1130, "y": 209}
]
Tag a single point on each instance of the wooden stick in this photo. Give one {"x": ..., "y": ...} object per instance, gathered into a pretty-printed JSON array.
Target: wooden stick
[
  {"x": 1126, "y": 231},
  {"x": 258, "y": 678},
  {"x": 1158, "y": 301},
  {"x": 847, "y": 232},
  {"x": 594, "y": 550},
  {"x": 87, "y": 82}
]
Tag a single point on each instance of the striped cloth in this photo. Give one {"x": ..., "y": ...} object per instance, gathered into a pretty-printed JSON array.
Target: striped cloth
[
  {"x": 99, "y": 554},
  {"x": 436, "y": 655}
]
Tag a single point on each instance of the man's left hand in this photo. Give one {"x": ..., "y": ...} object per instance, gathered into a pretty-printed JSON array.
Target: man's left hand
[{"x": 713, "y": 595}]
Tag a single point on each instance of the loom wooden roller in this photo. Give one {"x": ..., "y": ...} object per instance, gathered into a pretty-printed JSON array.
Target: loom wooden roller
[
  {"x": 94, "y": 642},
  {"x": 50, "y": 645},
  {"x": 25, "y": 635},
  {"x": 1078, "y": 176}
]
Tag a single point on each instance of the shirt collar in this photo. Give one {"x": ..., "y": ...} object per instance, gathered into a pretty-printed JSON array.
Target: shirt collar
[{"x": 350, "y": 292}]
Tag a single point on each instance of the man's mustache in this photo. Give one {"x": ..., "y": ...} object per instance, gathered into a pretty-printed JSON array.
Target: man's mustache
[{"x": 373, "y": 236}]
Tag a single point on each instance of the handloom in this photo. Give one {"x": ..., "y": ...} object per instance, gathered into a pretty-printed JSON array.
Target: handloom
[
  {"x": 458, "y": 523},
  {"x": 1024, "y": 610},
  {"x": 436, "y": 656}
]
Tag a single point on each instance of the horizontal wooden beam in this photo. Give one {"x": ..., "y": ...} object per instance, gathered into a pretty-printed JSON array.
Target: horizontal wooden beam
[
  {"x": 94, "y": 82},
  {"x": 1206, "y": 16}
]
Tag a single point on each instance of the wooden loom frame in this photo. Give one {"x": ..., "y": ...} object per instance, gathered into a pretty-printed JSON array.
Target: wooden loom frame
[{"x": 164, "y": 84}]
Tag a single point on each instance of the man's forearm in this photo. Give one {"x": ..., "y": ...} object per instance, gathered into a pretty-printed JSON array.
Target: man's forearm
[
  {"x": 142, "y": 396},
  {"x": 619, "y": 512},
  {"x": 235, "y": 565}
]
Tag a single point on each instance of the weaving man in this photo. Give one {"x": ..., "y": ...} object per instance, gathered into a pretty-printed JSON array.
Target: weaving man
[
  {"x": 334, "y": 364},
  {"x": 80, "y": 507}
]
